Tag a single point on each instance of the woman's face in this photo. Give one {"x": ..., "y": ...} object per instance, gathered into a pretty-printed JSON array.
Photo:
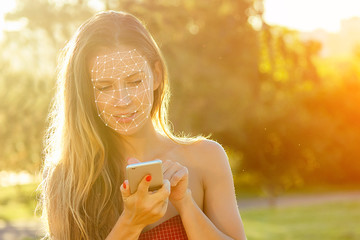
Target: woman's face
[{"x": 123, "y": 85}]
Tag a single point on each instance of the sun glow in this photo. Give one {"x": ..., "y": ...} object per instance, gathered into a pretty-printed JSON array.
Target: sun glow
[
  {"x": 308, "y": 15},
  {"x": 5, "y": 7}
]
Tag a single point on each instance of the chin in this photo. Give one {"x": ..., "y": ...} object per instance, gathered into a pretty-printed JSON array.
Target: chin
[
  {"x": 129, "y": 132},
  {"x": 143, "y": 123}
]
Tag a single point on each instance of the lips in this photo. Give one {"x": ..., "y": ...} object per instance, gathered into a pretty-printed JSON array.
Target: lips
[{"x": 125, "y": 117}]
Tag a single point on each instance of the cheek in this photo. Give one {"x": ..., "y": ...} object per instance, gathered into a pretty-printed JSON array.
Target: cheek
[
  {"x": 146, "y": 98},
  {"x": 100, "y": 102},
  {"x": 144, "y": 95}
]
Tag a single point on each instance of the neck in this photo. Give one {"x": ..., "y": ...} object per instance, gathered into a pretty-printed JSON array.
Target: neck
[{"x": 143, "y": 144}]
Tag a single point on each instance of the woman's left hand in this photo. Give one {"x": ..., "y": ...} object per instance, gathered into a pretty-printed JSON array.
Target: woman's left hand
[{"x": 178, "y": 175}]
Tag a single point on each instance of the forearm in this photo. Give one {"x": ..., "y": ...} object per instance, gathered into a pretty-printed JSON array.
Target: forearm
[
  {"x": 124, "y": 229},
  {"x": 196, "y": 223}
]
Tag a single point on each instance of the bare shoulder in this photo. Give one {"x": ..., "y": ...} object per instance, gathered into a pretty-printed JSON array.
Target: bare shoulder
[
  {"x": 208, "y": 154},
  {"x": 207, "y": 148}
]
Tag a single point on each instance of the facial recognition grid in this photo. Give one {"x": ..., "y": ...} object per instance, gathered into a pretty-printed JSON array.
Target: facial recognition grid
[{"x": 123, "y": 89}]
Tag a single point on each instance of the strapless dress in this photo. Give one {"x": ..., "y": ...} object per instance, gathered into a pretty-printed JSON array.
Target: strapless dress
[{"x": 171, "y": 229}]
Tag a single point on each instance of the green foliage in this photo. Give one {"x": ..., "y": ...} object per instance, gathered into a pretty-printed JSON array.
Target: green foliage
[
  {"x": 292, "y": 134},
  {"x": 325, "y": 221},
  {"x": 337, "y": 115},
  {"x": 24, "y": 107},
  {"x": 58, "y": 20},
  {"x": 18, "y": 202}
]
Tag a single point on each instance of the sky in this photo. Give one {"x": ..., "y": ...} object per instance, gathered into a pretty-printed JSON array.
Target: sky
[{"x": 308, "y": 15}]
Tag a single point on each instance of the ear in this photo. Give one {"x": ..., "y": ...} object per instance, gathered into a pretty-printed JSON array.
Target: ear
[{"x": 158, "y": 74}]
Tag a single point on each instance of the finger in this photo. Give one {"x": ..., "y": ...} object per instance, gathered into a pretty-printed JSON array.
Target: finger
[
  {"x": 166, "y": 165},
  {"x": 132, "y": 160},
  {"x": 160, "y": 207},
  {"x": 171, "y": 170},
  {"x": 164, "y": 206},
  {"x": 161, "y": 197},
  {"x": 125, "y": 190},
  {"x": 164, "y": 191},
  {"x": 143, "y": 187},
  {"x": 178, "y": 176}
]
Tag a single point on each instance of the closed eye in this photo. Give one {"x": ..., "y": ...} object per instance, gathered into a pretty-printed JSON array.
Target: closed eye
[
  {"x": 102, "y": 88},
  {"x": 136, "y": 82}
]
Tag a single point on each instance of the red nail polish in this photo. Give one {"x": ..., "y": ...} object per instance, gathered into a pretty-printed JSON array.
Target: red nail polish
[
  {"x": 124, "y": 185},
  {"x": 148, "y": 178}
]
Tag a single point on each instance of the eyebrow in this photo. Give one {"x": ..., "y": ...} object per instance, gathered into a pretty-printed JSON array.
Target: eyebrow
[{"x": 110, "y": 79}]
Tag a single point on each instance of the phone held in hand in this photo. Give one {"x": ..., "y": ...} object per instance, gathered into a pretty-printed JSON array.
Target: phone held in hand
[{"x": 137, "y": 171}]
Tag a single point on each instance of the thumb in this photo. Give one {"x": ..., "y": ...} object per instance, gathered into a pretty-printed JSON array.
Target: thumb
[
  {"x": 143, "y": 186},
  {"x": 125, "y": 190}
]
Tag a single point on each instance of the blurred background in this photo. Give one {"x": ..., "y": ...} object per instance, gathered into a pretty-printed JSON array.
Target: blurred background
[{"x": 276, "y": 82}]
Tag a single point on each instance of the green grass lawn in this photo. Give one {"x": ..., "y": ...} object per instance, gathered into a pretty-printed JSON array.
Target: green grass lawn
[{"x": 340, "y": 221}]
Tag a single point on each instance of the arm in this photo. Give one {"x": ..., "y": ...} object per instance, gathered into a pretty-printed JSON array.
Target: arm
[
  {"x": 123, "y": 229},
  {"x": 196, "y": 223},
  {"x": 221, "y": 218}
]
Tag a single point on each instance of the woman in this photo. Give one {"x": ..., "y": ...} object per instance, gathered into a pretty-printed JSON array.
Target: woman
[{"x": 110, "y": 110}]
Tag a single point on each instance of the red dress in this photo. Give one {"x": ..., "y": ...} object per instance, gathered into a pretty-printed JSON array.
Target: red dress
[{"x": 171, "y": 229}]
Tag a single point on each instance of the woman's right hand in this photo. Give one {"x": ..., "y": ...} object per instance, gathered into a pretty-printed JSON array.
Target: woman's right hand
[{"x": 143, "y": 207}]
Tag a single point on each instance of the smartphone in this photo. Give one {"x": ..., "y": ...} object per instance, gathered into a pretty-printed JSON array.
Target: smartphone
[{"x": 137, "y": 171}]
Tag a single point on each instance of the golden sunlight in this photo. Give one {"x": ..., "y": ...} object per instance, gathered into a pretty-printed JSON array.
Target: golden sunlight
[
  {"x": 5, "y": 7},
  {"x": 309, "y": 15}
]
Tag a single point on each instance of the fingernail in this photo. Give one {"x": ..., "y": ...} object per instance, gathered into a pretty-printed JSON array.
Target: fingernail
[
  {"x": 124, "y": 185},
  {"x": 148, "y": 178}
]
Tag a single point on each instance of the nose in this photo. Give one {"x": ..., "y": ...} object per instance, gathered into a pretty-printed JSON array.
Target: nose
[{"x": 121, "y": 97}]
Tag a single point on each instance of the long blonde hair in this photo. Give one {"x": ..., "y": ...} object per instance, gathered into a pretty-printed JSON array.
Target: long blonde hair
[{"x": 83, "y": 169}]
